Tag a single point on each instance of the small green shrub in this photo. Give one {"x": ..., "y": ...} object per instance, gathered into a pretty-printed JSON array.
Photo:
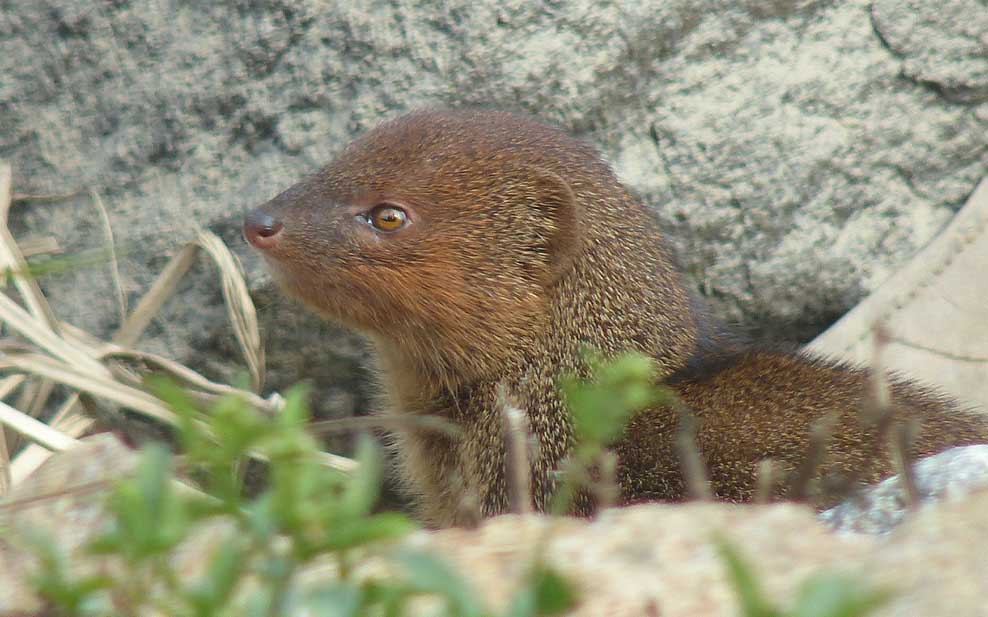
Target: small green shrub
[
  {"x": 307, "y": 513},
  {"x": 601, "y": 406}
]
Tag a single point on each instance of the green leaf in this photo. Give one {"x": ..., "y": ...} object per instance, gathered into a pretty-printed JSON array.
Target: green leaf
[
  {"x": 546, "y": 594},
  {"x": 54, "y": 265},
  {"x": 226, "y": 569},
  {"x": 362, "y": 489},
  {"x": 388, "y": 596},
  {"x": 153, "y": 478},
  {"x": 589, "y": 407},
  {"x": 260, "y": 518},
  {"x": 238, "y": 427},
  {"x": 753, "y": 601},
  {"x": 554, "y": 594},
  {"x": 340, "y": 600},
  {"x": 428, "y": 574},
  {"x": 150, "y": 518},
  {"x": 189, "y": 434},
  {"x": 276, "y": 567},
  {"x": 384, "y": 527},
  {"x": 616, "y": 390},
  {"x": 830, "y": 595},
  {"x": 295, "y": 414},
  {"x": 627, "y": 368},
  {"x": 53, "y": 583}
]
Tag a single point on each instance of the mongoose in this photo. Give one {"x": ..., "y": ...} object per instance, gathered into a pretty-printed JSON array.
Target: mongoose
[{"x": 478, "y": 248}]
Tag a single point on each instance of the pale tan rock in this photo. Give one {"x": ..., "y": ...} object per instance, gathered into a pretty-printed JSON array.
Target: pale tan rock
[
  {"x": 935, "y": 309},
  {"x": 657, "y": 559},
  {"x": 947, "y": 476},
  {"x": 64, "y": 501},
  {"x": 61, "y": 500},
  {"x": 937, "y": 561},
  {"x": 654, "y": 559},
  {"x": 660, "y": 560}
]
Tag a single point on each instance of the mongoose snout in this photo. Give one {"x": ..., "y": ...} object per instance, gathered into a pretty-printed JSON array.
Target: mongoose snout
[{"x": 261, "y": 230}]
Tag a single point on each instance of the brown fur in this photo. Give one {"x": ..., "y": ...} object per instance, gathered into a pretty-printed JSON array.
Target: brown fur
[{"x": 522, "y": 248}]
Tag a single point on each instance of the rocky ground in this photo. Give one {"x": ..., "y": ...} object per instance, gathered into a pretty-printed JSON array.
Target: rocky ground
[{"x": 644, "y": 560}]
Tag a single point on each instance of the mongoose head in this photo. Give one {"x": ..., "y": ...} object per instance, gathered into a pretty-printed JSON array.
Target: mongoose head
[{"x": 443, "y": 235}]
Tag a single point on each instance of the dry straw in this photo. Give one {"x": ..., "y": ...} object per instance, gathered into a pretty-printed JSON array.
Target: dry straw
[{"x": 59, "y": 353}]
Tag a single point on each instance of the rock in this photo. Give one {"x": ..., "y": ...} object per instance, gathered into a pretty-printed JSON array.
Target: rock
[
  {"x": 791, "y": 164},
  {"x": 934, "y": 562},
  {"x": 932, "y": 313},
  {"x": 63, "y": 503},
  {"x": 943, "y": 477},
  {"x": 654, "y": 559},
  {"x": 942, "y": 46}
]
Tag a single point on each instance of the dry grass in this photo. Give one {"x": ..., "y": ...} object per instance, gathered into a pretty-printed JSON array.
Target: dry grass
[
  {"x": 879, "y": 409},
  {"x": 39, "y": 351},
  {"x": 517, "y": 438},
  {"x": 694, "y": 469}
]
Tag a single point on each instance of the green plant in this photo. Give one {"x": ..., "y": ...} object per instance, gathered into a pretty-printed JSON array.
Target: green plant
[
  {"x": 308, "y": 514},
  {"x": 601, "y": 406},
  {"x": 822, "y": 595}
]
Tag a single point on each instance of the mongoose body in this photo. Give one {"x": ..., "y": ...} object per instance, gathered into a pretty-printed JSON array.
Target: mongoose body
[{"x": 481, "y": 249}]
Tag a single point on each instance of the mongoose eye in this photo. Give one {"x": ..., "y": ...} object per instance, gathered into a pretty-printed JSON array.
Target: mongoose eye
[{"x": 387, "y": 217}]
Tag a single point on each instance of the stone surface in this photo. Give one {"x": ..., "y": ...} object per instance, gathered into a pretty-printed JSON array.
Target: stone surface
[
  {"x": 63, "y": 503},
  {"x": 944, "y": 46},
  {"x": 797, "y": 151},
  {"x": 932, "y": 312},
  {"x": 943, "y": 477}
]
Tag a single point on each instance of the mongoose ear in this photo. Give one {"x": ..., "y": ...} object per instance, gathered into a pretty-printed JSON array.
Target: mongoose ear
[{"x": 559, "y": 208}]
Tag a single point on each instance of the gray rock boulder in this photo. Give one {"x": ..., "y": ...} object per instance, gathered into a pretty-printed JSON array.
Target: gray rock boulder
[
  {"x": 796, "y": 151},
  {"x": 942, "y": 46},
  {"x": 945, "y": 477}
]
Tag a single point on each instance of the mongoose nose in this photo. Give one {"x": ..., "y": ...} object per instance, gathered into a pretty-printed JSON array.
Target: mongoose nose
[{"x": 262, "y": 230}]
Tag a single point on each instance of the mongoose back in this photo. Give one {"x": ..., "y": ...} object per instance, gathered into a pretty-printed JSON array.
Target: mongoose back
[{"x": 479, "y": 249}]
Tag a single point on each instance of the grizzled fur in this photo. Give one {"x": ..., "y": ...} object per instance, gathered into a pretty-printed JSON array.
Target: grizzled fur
[{"x": 522, "y": 248}]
